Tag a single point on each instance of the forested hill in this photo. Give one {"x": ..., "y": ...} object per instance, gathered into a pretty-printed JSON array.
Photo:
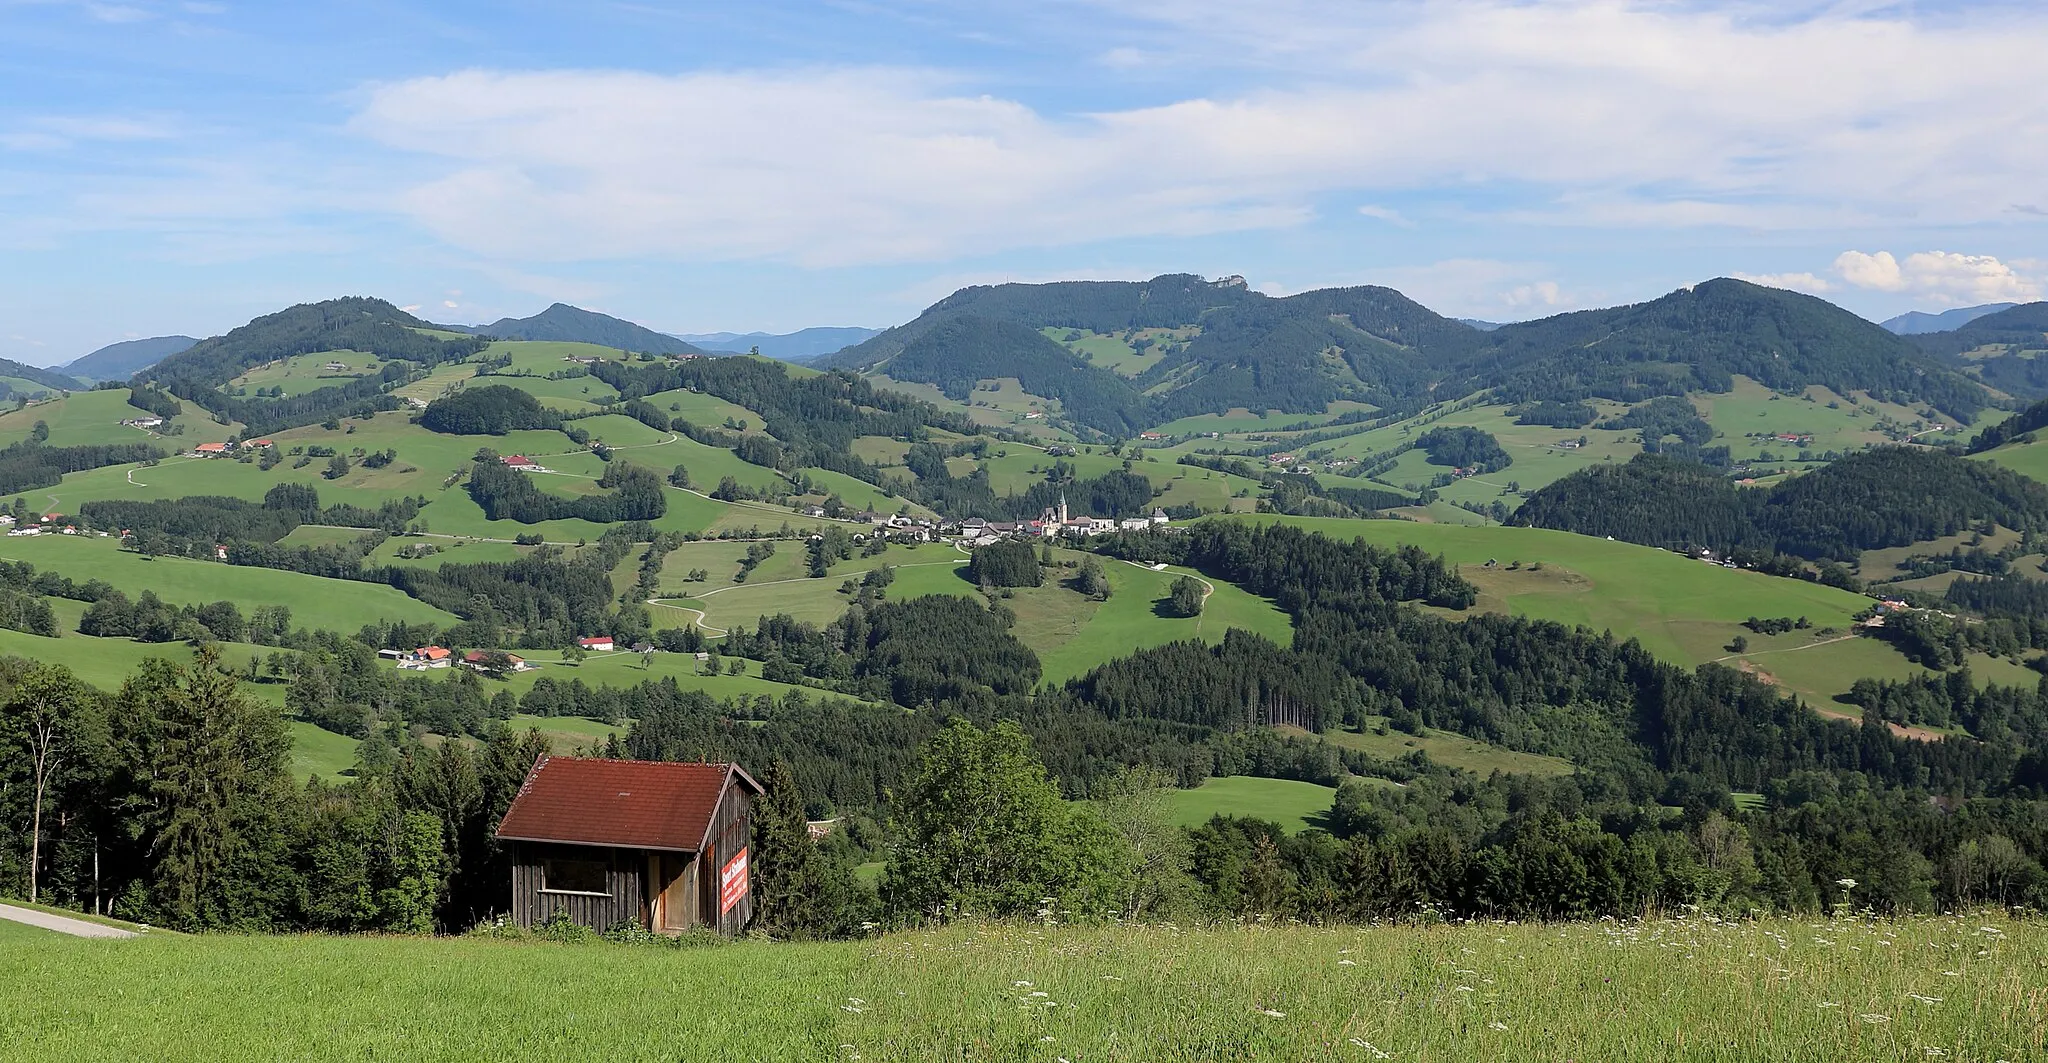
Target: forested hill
[
  {"x": 1699, "y": 338},
  {"x": 564, "y": 322},
  {"x": 118, "y": 361},
  {"x": 1222, "y": 345},
  {"x": 956, "y": 354},
  {"x": 1891, "y": 496},
  {"x": 48, "y": 378},
  {"x": 355, "y": 323},
  {"x": 2004, "y": 349},
  {"x": 1297, "y": 353}
]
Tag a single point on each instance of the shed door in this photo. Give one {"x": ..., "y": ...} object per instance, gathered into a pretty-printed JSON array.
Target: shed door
[{"x": 679, "y": 900}]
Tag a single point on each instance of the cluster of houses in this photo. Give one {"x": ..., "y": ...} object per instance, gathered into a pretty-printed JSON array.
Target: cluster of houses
[
  {"x": 1298, "y": 463},
  {"x": 431, "y": 657},
  {"x": 47, "y": 524},
  {"x": 216, "y": 450},
  {"x": 1054, "y": 521}
]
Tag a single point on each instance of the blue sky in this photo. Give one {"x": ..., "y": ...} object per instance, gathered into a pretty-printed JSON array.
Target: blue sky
[{"x": 170, "y": 166}]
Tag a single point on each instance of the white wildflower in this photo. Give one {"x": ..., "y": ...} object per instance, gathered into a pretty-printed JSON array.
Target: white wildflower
[
  {"x": 1496, "y": 1026},
  {"x": 1271, "y": 1014}
]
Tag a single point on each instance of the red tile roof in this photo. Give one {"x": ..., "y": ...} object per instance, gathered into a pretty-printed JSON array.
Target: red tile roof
[{"x": 635, "y": 804}]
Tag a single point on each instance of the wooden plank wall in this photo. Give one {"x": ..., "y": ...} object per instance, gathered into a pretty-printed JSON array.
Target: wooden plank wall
[
  {"x": 731, "y": 830},
  {"x": 623, "y": 901}
]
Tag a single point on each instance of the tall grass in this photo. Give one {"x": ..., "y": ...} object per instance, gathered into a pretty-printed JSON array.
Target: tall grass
[{"x": 1970, "y": 988}]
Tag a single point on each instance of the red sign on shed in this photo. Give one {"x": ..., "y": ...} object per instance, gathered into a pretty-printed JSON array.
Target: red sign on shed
[{"x": 732, "y": 881}]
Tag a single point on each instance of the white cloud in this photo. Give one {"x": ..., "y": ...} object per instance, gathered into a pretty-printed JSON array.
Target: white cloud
[
  {"x": 1599, "y": 112},
  {"x": 1940, "y": 277},
  {"x": 1485, "y": 288},
  {"x": 1386, "y": 214},
  {"x": 1810, "y": 283}
]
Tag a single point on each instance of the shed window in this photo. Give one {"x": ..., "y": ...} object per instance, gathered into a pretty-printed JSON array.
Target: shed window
[{"x": 573, "y": 876}]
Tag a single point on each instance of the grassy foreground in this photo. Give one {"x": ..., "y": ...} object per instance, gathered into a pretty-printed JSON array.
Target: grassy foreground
[{"x": 1956, "y": 988}]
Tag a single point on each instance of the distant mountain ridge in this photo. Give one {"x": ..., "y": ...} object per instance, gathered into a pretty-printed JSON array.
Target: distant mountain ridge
[
  {"x": 1296, "y": 354},
  {"x": 2002, "y": 349},
  {"x": 1915, "y": 323},
  {"x": 799, "y": 346},
  {"x": 1233, "y": 347},
  {"x": 42, "y": 378},
  {"x": 562, "y": 322},
  {"x": 119, "y": 361}
]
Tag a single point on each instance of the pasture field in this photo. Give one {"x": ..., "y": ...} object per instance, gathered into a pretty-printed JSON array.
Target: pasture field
[
  {"x": 318, "y": 751},
  {"x": 1681, "y": 609},
  {"x": 974, "y": 408},
  {"x": 578, "y": 394},
  {"x": 83, "y": 418},
  {"x": 1446, "y": 748},
  {"x": 438, "y": 381},
  {"x": 1238, "y": 421},
  {"x": 1836, "y": 422},
  {"x": 2027, "y": 459},
  {"x": 1693, "y": 989},
  {"x": 106, "y": 663},
  {"x": 624, "y": 669},
  {"x": 1886, "y": 564},
  {"x": 342, "y": 605},
  {"x": 1296, "y": 806},
  {"x": 709, "y": 411},
  {"x": 323, "y": 535},
  {"x": 303, "y": 373},
  {"x": 1070, "y": 632}
]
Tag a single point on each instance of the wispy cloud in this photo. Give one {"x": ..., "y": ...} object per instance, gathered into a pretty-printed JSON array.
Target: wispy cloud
[{"x": 1581, "y": 113}]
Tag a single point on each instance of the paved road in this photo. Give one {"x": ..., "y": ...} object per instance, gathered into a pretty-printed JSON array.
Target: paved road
[{"x": 62, "y": 924}]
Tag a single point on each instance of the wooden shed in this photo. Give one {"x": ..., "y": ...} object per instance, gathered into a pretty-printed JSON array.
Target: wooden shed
[{"x": 618, "y": 841}]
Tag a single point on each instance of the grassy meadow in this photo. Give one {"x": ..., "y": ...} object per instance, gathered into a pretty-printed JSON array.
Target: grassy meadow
[
  {"x": 1964, "y": 988},
  {"x": 1296, "y": 806},
  {"x": 342, "y": 605}
]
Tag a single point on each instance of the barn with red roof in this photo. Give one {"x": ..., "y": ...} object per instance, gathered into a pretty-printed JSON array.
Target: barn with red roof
[{"x": 606, "y": 842}]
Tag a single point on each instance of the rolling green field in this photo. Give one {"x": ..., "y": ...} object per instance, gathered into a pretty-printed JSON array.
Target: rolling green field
[
  {"x": 1297, "y": 806},
  {"x": 1070, "y": 632},
  {"x": 106, "y": 663},
  {"x": 1683, "y": 610},
  {"x": 304, "y": 373},
  {"x": 2027, "y": 459},
  {"x": 341, "y": 605},
  {"x": 1695, "y": 989},
  {"x": 1444, "y": 747},
  {"x": 316, "y": 751},
  {"x": 83, "y": 418}
]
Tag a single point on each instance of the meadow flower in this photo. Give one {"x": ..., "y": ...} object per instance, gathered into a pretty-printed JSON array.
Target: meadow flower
[
  {"x": 1873, "y": 1019},
  {"x": 1496, "y": 1026},
  {"x": 1271, "y": 1014},
  {"x": 1368, "y": 1046}
]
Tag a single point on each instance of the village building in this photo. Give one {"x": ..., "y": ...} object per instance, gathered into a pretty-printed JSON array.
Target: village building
[
  {"x": 606, "y": 842},
  {"x": 210, "y": 450},
  {"x": 144, "y": 422},
  {"x": 261, "y": 444},
  {"x": 522, "y": 463},
  {"x": 427, "y": 657},
  {"x": 597, "y": 643},
  {"x": 481, "y": 661}
]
